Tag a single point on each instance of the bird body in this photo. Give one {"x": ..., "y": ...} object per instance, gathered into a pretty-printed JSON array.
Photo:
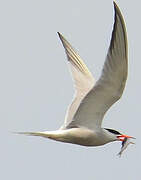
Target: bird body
[
  {"x": 81, "y": 136},
  {"x": 93, "y": 98}
]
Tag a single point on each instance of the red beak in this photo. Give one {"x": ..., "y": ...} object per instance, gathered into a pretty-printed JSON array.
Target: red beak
[{"x": 123, "y": 136}]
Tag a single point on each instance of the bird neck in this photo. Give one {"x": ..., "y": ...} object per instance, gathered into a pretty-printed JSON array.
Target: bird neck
[{"x": 109, "y": 135}]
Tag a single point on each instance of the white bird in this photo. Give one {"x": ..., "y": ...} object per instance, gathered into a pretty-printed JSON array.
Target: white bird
[{"x": 92, "y": 100}]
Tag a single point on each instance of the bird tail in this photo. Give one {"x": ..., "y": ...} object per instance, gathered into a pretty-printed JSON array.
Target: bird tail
[
  {"x": 56, "y": 135},
  {"x": 43, "y": 134}
]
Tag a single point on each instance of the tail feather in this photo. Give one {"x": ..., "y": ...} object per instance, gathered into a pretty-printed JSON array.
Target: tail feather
[
  {"x": 30, "y": 133},
  {"x": 46, "y": 134},
  {"x": 42, "y": 134}
]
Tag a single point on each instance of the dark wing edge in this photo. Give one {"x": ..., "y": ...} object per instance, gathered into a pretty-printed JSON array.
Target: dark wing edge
[
  {"x": 109, "y": 88},
  {"x": 82, "y": 78}
]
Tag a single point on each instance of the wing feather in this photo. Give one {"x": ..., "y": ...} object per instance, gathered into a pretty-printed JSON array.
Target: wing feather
[
  {"x": 83, "y": 79},
  {"x": 109, "y": 88}
]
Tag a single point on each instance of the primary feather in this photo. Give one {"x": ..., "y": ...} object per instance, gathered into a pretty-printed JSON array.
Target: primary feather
[
  {"x": 83, "y": 79},
  {"x": 109, "y": 88}
]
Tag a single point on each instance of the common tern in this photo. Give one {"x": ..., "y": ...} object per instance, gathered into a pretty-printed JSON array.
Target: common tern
[{"x": 92, "y": 99}]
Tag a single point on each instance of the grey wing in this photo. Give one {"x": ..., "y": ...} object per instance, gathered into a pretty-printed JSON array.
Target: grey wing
[
  {"x": 83, "y": 79},
  {"x": 109, "y": 88}
]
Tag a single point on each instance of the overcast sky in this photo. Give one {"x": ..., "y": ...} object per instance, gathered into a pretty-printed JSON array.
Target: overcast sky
[{"x": 36, "y": 88}]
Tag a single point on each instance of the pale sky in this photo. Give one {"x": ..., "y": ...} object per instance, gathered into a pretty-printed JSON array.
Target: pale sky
[{"x": 36, "y": 88}]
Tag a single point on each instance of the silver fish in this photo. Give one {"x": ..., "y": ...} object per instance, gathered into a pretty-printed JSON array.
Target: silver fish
[{"x": 125, "y": 143}]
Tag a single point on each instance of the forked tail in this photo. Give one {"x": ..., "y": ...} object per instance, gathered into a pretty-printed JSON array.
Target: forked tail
[
  {"x": 56, "y": 135},
  {"x": 42, "y": 134}
]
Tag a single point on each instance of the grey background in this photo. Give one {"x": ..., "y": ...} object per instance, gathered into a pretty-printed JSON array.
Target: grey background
[{"x": 36, "y": 88}]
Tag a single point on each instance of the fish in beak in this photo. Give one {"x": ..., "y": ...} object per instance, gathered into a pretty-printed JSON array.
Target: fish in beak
[
  {"x": 126, "y": 140},
  {"x": 122, "y": 137}
]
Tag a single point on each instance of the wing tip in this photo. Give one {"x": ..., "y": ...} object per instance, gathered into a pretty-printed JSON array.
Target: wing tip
[
  {"x": 59, "y": 34},
  {"x": 118, "y": 12},
  {"x": 115, "y": 5},
  {"x": 63, "y": 40},
  {"x": 118, "y": 15},
  {"x": 118, "y": 18}
]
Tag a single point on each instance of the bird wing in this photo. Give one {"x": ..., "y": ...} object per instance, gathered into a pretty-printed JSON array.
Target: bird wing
[
  {"x": 83, "y": 79},
  {"x": 109, "y": 88}
]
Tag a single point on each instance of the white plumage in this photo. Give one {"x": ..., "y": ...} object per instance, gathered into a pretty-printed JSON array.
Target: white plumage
[{"x": 92, "y": 100}]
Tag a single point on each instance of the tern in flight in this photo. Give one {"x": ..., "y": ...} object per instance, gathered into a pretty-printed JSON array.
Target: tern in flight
[{"x": 92, "y": 99}]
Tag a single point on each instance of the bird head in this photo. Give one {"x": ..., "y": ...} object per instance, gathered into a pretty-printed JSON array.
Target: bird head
[{"x": 119, "y": 136}]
